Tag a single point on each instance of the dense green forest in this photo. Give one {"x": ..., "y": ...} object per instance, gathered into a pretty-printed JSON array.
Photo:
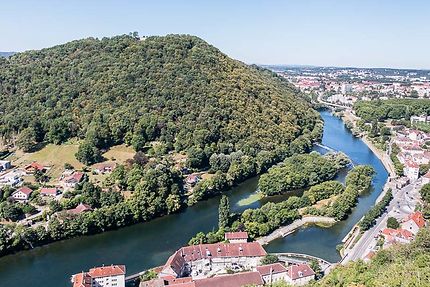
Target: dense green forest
[
  {"x": 396, "y": 109},
  {"x": 175, "y": 89},
  {"x": 300, "y": 171}
]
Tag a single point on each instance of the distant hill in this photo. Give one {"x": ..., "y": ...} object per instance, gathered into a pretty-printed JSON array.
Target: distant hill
[
  {"x": 6, "y": 54},
  {"x": 175, "y": 89}
]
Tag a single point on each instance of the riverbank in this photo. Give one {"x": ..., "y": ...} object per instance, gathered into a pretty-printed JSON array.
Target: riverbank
[
  {"x": 383, "y": 157},
  {"x": 288, "y": 229}
]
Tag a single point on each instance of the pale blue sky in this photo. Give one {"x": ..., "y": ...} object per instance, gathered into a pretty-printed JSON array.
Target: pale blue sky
[{"x": 364, "y": 33}]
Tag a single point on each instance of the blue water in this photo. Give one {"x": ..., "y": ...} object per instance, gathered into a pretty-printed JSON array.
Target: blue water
[{"x": 319, "y": 241}]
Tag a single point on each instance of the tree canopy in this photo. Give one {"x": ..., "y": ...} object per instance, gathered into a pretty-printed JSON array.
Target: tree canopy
[{"x": 176, "y": 89}]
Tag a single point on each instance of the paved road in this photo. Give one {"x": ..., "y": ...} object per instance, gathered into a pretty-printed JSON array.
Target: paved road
[{"x": 403, "y": 203}]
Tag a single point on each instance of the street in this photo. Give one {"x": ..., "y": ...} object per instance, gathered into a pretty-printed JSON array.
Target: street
[{"x": 402, "y": 204}]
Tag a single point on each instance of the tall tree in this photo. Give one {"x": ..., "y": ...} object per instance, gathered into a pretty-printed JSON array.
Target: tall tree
[{"x": 223, "y": 212}]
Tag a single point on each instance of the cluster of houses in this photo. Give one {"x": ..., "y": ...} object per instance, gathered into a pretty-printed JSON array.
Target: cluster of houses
[
  {"x": 412, "y": 151},
  {"x": 232, "y": 264},
  {"x": 407, "y": 231}
]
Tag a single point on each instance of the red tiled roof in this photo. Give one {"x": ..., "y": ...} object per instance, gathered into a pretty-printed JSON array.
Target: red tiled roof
[
  {"x": 105, "y": 271},
  {"x": 399, "y": 233},
  {"x": 81, "y": 280},
  {"x": 236, "y": 235},
  {"x": 271, "y": 269},
  {"x": 233, "y": 280},
  {"x": 75, "y": 177},
  {"x": 300, "y": 271},
  {"x": 412, "y": 164},
  {"x": 80, "y": 208},
  {"x": 26, "y": 190},
  {"x": 418, "y": 218},
  {"x": 49, "y": 190},
  {"x": 35, "y": 165},
  {"x": 203, "y": 251}
]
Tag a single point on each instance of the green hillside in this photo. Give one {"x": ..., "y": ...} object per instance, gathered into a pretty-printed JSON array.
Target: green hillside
[{"x": 175, "y": 89}]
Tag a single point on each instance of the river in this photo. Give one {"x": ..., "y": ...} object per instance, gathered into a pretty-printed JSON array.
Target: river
[{"x": 149, "y": 244}]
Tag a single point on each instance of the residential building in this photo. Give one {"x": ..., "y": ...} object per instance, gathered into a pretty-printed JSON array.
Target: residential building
[
  {"x": 22, "y": 193},
  {"x": 82, "y": 207},
  {"x": 50, "y": 191},
  {"x": 105, "y": 276},
  {"x": 32, "y": 167},
  {"x": 191, "y": 180},
  {"x": 11, "y": 178},
  {"x": 300, "y": 274},
  {"x": 73, "y": 180},
  {"x": 411, "y": 170},
  {"x": 396, "y": 236},
  {"x": 413, "y": 222},
  {"x": 236, "y": 237},
  {"x": 4, "y": 165},
  {"x": 104, "y": 167},
  {"x": 273, "y": 273}
]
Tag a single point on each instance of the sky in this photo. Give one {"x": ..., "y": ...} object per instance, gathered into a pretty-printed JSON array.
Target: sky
[{"x": 355, "y": 33}]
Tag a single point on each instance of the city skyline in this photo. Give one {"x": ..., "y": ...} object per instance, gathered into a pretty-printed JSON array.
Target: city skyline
[{"x": 387, "y": 34}]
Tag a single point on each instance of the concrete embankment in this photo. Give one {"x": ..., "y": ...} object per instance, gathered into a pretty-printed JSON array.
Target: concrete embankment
[{"x": 288, "y": 229}]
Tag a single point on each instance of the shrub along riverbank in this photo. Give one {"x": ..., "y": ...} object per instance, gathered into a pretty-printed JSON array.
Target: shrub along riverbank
[{"x": 261, "y": 221}]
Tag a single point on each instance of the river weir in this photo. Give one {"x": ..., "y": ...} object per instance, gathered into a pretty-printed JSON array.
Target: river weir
[{"x": 149, "y": 244}]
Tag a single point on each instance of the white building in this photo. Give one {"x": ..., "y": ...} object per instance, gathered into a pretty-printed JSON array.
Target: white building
[
  {"x": 22, "y": 193},
  {"x": 4, "y": 165},
  {"x": 273, "y": 273},
  {"x": 413, "y": 222},
  {"x": 12, "y": 178},
  {"x": 106, "y": 276},
  {"x": 300, "y": 274},
  {"x": 236, "y": 237},
  {"x": 411, "y": 170}
]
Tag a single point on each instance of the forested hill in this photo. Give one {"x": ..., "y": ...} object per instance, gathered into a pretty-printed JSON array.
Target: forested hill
[{"x": 176, "y": 89}]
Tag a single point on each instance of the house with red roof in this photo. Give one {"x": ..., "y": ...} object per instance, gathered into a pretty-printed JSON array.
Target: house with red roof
[
  {"x": 82, "y": 207},
  {"x": 413, "y": 222},
  {"x": 396, "y": 235},
  {"x": 105, "y": 276},
  {"x": 73, "y": 180},
  {"x": 22, "y": 193},
  {"x": 236, "y": 237},
  {"x": 32, "y": 167},
  {"x": 299, "y": 274},
  {"x": 272, "y": 273},
  {"x": 50, "y": 191}
]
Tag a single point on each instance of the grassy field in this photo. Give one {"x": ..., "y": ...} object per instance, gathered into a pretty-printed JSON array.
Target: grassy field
[
  {"x": 55, "y": 156},
  {"x": 119, "y": 153}
]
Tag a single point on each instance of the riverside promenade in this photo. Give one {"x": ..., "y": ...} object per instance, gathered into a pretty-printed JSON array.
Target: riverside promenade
[{"x": 290, "y": 228}]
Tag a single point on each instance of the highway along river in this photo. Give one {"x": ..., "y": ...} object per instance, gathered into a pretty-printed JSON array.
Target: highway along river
[{"x": 149, "y": 244}]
